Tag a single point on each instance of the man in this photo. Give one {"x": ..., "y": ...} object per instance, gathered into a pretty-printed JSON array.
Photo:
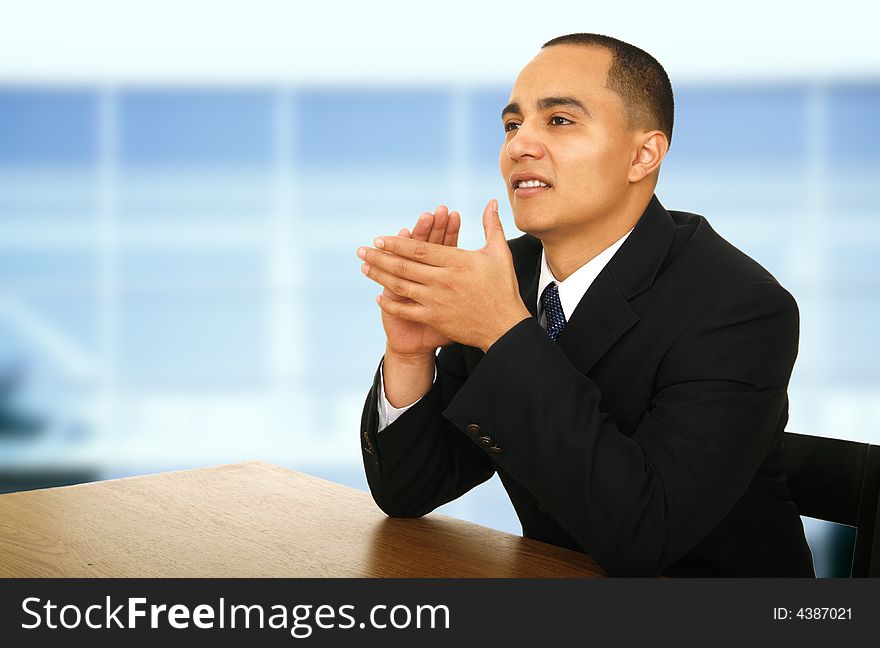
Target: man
[{"x": 622, "y": 367}]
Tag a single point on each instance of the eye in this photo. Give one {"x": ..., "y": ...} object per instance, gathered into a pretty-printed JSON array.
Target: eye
[
  {"x": 510, "y": 126},
  {"x": 558, "y": 120}
]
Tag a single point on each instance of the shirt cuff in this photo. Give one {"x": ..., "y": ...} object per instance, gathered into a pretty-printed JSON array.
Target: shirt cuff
[{"x": 387, "y": 412}]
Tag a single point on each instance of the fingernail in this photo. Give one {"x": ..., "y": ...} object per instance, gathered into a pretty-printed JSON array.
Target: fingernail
[
  {"x": 378, "y": 298},
  {"x": 379, "y": 243},
  {"x": 495, "y": 206},
  {"x": 362, "y": 252},
  {"x": 365, "y": 268}
]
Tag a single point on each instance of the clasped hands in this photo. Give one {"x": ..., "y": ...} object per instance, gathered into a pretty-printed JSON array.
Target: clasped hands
[{"x": 436, "y": 293}]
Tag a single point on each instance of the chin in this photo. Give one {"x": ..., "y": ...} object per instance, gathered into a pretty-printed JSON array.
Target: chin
[{"x": 534, "y": 224}]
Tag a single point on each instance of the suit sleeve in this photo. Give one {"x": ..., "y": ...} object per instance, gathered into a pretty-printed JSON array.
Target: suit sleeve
[
  {"x": 421, "y": 461},
  {"x": 637, "y": 504}
]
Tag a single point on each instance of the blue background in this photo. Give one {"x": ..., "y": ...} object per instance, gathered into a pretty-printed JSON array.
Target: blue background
[{"x": 178, "y": 284}]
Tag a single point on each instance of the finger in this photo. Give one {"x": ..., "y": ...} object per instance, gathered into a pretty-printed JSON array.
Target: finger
[
  {"x": 412, "y": 311},
  {"x": 438, "y": 231},
  {"x": 394, "y": 296},
  {"x": 423, "y": 227},
  {"x": 453, "y": 226},
  {"x": 403, "y": 287},
  {"x": 404, "y": 233},
  {"x": 421, "y": 251},
  {"x": 399, "y": 266},
  {"x": 492, "y": 226}
]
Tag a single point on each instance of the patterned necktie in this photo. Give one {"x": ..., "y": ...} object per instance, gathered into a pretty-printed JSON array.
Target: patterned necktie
[{"x": 552, "y": 308}]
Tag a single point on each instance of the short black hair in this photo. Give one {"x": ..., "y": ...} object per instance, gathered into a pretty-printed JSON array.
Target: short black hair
[{"x": 636, "y": 76}]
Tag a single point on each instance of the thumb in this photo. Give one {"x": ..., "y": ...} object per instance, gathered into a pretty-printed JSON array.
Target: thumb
[{"x": 492, "y": 226}]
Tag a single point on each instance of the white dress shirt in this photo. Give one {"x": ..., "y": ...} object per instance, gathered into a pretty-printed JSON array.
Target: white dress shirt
[{"x": 571, "y": 291}]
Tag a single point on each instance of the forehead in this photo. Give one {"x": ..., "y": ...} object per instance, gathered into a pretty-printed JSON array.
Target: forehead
[{"x": 565, "y": 70}]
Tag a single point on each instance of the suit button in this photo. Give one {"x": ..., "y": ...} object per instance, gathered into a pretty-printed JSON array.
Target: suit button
[
  {"x": 473, "y": 428},
  {"x": 486, "y": 440},
  {"x": 496, "y": 449}
]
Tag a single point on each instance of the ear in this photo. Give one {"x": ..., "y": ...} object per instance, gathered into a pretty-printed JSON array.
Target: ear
[{"x": 650, "y": 151}]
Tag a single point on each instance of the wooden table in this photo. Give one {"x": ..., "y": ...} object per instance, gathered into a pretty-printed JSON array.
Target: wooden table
[{"x": 251, "y": 520}]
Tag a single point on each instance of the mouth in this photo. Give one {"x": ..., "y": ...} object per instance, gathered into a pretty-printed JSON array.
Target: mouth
[{"x": 527, "y": 186}]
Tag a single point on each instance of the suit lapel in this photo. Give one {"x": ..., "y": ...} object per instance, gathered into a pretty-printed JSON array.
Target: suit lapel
[
  {"x": 601, "y": 317},
  {"x": 642, "y": 255},
  {"x": 605, "y": 313}
]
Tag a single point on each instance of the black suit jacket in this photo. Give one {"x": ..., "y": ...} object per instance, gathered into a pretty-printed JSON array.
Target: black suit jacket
[{"x": 649, "y": 435}]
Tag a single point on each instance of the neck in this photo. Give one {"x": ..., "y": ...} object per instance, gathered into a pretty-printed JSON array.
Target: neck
[{"x": 567, "y": 251}]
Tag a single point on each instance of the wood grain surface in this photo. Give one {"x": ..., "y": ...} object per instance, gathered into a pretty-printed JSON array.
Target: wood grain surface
[{"x": 252, "y": 519}]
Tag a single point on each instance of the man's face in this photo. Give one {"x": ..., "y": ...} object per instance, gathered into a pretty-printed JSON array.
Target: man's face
[{"x": 566, "y": 129}]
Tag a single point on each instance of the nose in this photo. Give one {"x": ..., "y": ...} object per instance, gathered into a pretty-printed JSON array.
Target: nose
[{"x": 524, "y": 143}]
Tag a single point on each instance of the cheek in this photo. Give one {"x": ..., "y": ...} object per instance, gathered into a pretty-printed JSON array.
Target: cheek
[{"x": 595, "y": 165}]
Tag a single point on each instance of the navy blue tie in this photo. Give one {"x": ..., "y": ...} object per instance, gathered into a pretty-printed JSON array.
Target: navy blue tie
[{"x": 552, "y": 308}]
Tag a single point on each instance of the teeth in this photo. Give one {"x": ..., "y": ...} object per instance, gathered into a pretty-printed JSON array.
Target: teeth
[{"x": 531, "y": 183}]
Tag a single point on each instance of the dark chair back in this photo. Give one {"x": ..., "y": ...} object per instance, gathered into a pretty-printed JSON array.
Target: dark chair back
[{"x": 838, "y": 481}]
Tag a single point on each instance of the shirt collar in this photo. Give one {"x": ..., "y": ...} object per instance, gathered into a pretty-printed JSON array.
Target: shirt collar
[{"x": 572, "y": 290}]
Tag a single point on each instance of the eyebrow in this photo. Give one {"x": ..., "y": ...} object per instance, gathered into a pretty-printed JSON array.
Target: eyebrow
[{"x": 549, "y": 102}]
